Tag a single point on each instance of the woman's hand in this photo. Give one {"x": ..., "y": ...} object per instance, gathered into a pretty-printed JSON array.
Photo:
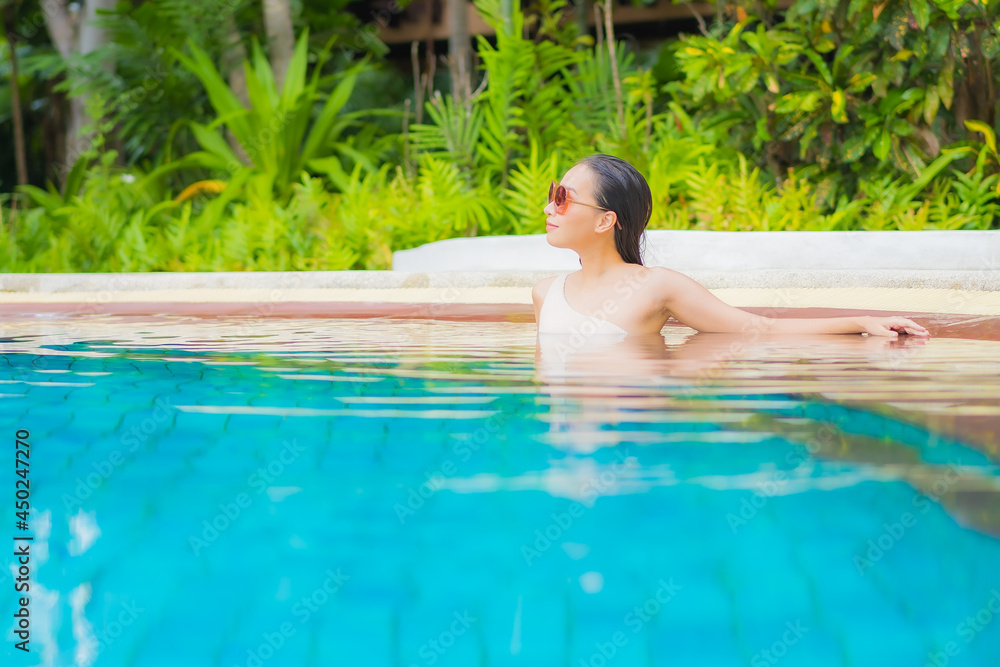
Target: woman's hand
[{"x": 890, "y": 326}]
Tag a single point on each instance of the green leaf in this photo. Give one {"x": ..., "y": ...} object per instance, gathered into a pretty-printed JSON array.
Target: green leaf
[
  {"x": 295, "y": 76},
  {"x": 196, "y": 160},
  {"x": 926, "y": 176},
  {"x": 838, "y": 106},
  {"x": 860, "y": 81},
  {"x": 162, "y": 206},
  {"x": 921, "y": 12},
  {"x": 931, "y": 104},
  {"x": 264, "y": 77},
  {"x": 75, "y": 178},
  {"x": 820, "y": 66},
  {"x": 825, "y": 45},
  {"x": 212, "y": 142},
  {"x": 853, "y": 148},
  {"x": 772, "y": 82},
  {"x": 320, "y": 132},
  {"x": 855, "y": 7},
  {"x": 46, "y": 200},
  {"x": 985, "y": 130},
  {"x": 333, "y": 169},
  {"x": 945, "y": 86},
  {"x": 882, "y": 146},
  {"x": 222, "y": 98},
  {"x": 261, "y": 102}
]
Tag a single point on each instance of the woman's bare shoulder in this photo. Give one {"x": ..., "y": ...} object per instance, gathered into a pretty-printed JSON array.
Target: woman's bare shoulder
[
  {"x": 538, "y": 293},
  {"x": 662, "y": 278},
  {"x": 541, "y": 288},
  {"x": 663, "y": 285}
]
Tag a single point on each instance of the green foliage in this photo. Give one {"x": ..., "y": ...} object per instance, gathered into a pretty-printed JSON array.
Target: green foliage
[
  {"x": 137, "y": 72},
  {"x": 851, "y": 87},
  {"x": 835, "y": 116},
  {"x": 277, "y": 133},
  {"x": 803, "y": 124},
  {"x": 121, "y": 221}
]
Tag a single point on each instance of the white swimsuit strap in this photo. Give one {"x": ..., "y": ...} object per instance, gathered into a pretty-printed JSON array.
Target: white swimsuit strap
[{"x": 557, "y": 316}]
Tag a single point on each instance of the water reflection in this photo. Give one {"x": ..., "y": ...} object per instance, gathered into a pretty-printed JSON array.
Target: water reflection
[
  {"x": 683, "y": 352},
  {"x": 381, "y": 404},
  {"x": 896, "y": 405}
]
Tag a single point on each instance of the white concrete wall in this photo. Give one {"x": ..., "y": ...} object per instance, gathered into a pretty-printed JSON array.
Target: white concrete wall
[{"x": 691, "y": 250}]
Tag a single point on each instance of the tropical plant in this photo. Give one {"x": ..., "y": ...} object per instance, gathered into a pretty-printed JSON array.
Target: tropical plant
[
  {"x": 821, "y": 118},
  {"x": 849, "y": 87},
  {"x": 277, "y": 132}
]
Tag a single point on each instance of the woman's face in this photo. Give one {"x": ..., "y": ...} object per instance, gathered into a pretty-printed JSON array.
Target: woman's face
[{"x": 578, "y": 221}]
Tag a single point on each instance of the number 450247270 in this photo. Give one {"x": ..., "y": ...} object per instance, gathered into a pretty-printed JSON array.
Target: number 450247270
[{"x": 21, "y": 456}]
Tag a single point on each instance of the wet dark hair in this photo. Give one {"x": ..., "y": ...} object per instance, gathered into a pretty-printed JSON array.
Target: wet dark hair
[{"x": 619, "y": 187}]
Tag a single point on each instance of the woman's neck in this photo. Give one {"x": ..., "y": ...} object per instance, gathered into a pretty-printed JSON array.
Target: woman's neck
[{"x": 597, "y": 265}]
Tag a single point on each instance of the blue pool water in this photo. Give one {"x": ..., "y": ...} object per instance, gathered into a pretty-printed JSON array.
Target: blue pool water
[{"x": 399, "y": 493}]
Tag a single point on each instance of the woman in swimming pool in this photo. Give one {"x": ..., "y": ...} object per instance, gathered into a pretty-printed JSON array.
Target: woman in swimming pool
[{"x": 600, "y": 210}]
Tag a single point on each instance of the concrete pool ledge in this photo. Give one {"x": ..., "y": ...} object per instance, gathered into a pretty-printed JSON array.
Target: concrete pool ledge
[
  {"x": 942, "y": 272},
  {"x": 931, "y": 291}
]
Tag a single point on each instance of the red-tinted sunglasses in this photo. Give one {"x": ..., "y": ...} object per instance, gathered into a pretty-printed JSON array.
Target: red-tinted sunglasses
[{"x": 560, "y": 196}]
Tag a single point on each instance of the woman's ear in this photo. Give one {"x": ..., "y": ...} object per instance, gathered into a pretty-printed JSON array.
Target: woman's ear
[{"x": 611, "y": 218}]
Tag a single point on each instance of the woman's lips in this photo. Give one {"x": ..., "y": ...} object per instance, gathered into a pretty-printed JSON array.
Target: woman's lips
[{"x": 549, "y": 225}]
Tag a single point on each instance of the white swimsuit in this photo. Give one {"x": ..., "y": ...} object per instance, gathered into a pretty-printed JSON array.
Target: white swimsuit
[{"x": 558, "y": 317}]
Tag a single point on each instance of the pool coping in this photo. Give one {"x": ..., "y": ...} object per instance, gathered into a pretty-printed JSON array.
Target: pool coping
[
  {"x": 973, "y": 280},
  {"x": 449, "y": 294}
]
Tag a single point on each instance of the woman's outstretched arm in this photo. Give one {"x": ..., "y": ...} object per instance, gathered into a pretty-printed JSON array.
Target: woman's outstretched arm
[{"x": 694, "y": 306}]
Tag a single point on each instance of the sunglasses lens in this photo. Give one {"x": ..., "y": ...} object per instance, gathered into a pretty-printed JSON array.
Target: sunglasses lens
[{"x": 557, "y": 196}]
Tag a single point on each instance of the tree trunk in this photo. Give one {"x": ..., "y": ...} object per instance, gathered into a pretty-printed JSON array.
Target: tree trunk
[
  {"x": 458, "y": 50},
  {"x": 580, "y": 10},
  {"x": 233, "y": 61},
  {"x": 90, "y": 38},
  {"x": 62, "y": 31},
  {"x": 69, "y": 40},
  {"x": 280, "y": 37},
  {"x": 20, "y": 159}
]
